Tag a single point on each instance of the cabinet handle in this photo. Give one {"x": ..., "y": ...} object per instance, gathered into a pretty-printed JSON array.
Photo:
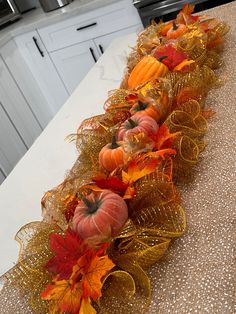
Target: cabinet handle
[
  {"x": 93, "y": 55},
  {"x": 86, "y": 26},
  {"x": 101, "y": 48},
  {"x": 37, "y": 45}
]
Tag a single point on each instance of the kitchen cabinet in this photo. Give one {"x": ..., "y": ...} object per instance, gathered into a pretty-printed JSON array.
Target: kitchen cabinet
[
  {"x": 17, "y": 109},
  {"x": 74, "y": 62},
  {"x": 103, "y": 42},
  {"x": 50, "y": 91},
  {"x": 2, "y": 176},
  {"x": 12, "y": 148}
]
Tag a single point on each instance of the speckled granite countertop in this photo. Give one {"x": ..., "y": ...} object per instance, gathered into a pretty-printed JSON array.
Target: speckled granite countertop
[
  {"x": 198, "y": 274},
  {"x": 38, "y": 18}
]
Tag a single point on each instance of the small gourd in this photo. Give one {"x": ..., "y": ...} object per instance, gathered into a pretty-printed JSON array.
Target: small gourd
[
  {"x": 176, "y": 31},
  {"x": 100, "y": 215},
  {"x": 111, "y": 155}
]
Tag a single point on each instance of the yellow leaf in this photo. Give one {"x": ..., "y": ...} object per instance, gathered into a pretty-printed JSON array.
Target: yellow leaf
[
  {"x": 86, "y": 307},
  {"x": 180, "y": 66},
  {"x": 137, "y": 170}
]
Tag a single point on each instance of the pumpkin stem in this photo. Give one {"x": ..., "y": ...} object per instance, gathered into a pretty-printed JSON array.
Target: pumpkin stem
[
  {"x": 132, "y": 123},
  {"x": 175, "y": 27},
  {"x": 114, "y": 144},
  {"x": 142, "y": 105},
  {"x": 162, "y": 58},
  {"x": 91, "y": 207}
]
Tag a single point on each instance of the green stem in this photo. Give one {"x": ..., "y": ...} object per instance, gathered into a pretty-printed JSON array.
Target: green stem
[
  {"x": 91, "y": 207},
  {"x": 114, "y": 144},
  {"x": 142, "y": 105},
  {"x": 162, "y": 58},
  {"x": 132, "y": 123},
  {"x": 175, "y": 27}
]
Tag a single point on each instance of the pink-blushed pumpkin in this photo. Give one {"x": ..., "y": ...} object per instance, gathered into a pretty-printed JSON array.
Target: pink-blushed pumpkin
[
  {"x": 111, "y": 155},
  {"x": 136, "y": 124},
  {"x": 100, "y": 215}
]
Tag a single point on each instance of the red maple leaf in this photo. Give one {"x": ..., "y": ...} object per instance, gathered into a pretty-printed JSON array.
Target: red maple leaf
[
  {"x": 112, "y": 183},
  {"x": 170, "y": 56},
  {"x": 68, "y": 250}
]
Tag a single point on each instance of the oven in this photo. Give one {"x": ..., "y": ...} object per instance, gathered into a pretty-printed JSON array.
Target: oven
[
  {"x": 166, "y": 10},
  {"x": 8, "y": 11}
]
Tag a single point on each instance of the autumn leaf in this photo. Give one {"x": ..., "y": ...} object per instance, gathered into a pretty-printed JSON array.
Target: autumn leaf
[
  {"x": 185, "y": 15},
  {"x": 64, "y": 297},
  {"x": 163, "y": 138},
  {"x": 86, "y": 307},
  {"x": 68, "y": 249},
  {"x": 93, "y": 270},
  {"x": 173, "y": 57},
  {"x": 138, "y": 169},
  {"x": 112, "y": 183}
]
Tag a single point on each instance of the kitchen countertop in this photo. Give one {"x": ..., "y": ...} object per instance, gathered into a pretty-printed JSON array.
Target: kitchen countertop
[
  {"x": 198, "y": 273},
  {"x": 37, "y": 18}
]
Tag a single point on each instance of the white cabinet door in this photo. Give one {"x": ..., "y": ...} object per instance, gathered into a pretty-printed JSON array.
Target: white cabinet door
[
  {"x": 11, "y": 146},
  {"x": 51, "y": 91},
  {"x": 104, "y": 41},
  {"x": 27, "y": 83},
  {"x": 74, "y": 62},
  {"x": 2, "y": 176},
  {"x": 16, "y": 108}
]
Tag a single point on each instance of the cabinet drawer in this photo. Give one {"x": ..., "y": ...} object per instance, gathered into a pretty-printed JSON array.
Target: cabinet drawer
[{"x": 90, "y": 25}]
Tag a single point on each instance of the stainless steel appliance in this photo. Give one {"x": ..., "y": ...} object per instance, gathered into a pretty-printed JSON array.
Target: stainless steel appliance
[
  {"x": 167, "y": 9},
  {"x": 8, "y": 11},
  {"x": 49, "y": 5},
  {"x": 26, "y": 5}
]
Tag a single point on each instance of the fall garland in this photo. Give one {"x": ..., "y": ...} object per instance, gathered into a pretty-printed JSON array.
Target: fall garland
[{"x": 118, "y": 209}]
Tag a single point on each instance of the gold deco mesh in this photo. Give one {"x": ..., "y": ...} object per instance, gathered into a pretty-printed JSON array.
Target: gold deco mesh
[{"x": 155, "y": 215}]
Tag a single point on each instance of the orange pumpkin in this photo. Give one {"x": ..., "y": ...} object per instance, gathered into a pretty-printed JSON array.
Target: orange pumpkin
[
  {"x": 112, "y": 155},
  {"x": 146, "y": 108},
  {"x": 136, "y": 124},
  {"x": 164, "y": 28},
  {"x": 148, "y": 68},
  {"x": 176, "y": 31},
  {"x": 100, "y": 215}
]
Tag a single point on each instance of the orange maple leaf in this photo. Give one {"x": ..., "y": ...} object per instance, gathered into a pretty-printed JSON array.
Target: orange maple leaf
[
  {"x": 138, "y": 169},
  {"x": 163, "y": 138},
  {"x": 65, "y": 297},
  {"x": 73, "y": 295},
  {"x": 92, "y": 274}
]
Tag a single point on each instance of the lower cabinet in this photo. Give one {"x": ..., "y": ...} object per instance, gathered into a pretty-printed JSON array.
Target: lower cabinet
[
  {"x": 103, "y": 42},
  {"x": 12, "y": 148},
  {"x": 41, "y": 84},
  {"x": 74, "y": 62},
  {"x": 2, "y": 176},
  {"x": 16, "y": 108}
]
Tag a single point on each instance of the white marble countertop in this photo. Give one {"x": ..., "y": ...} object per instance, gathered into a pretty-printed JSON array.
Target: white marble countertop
[
  {"x": 47, "y": 161},
  {"x": 38, "y": 18}
]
